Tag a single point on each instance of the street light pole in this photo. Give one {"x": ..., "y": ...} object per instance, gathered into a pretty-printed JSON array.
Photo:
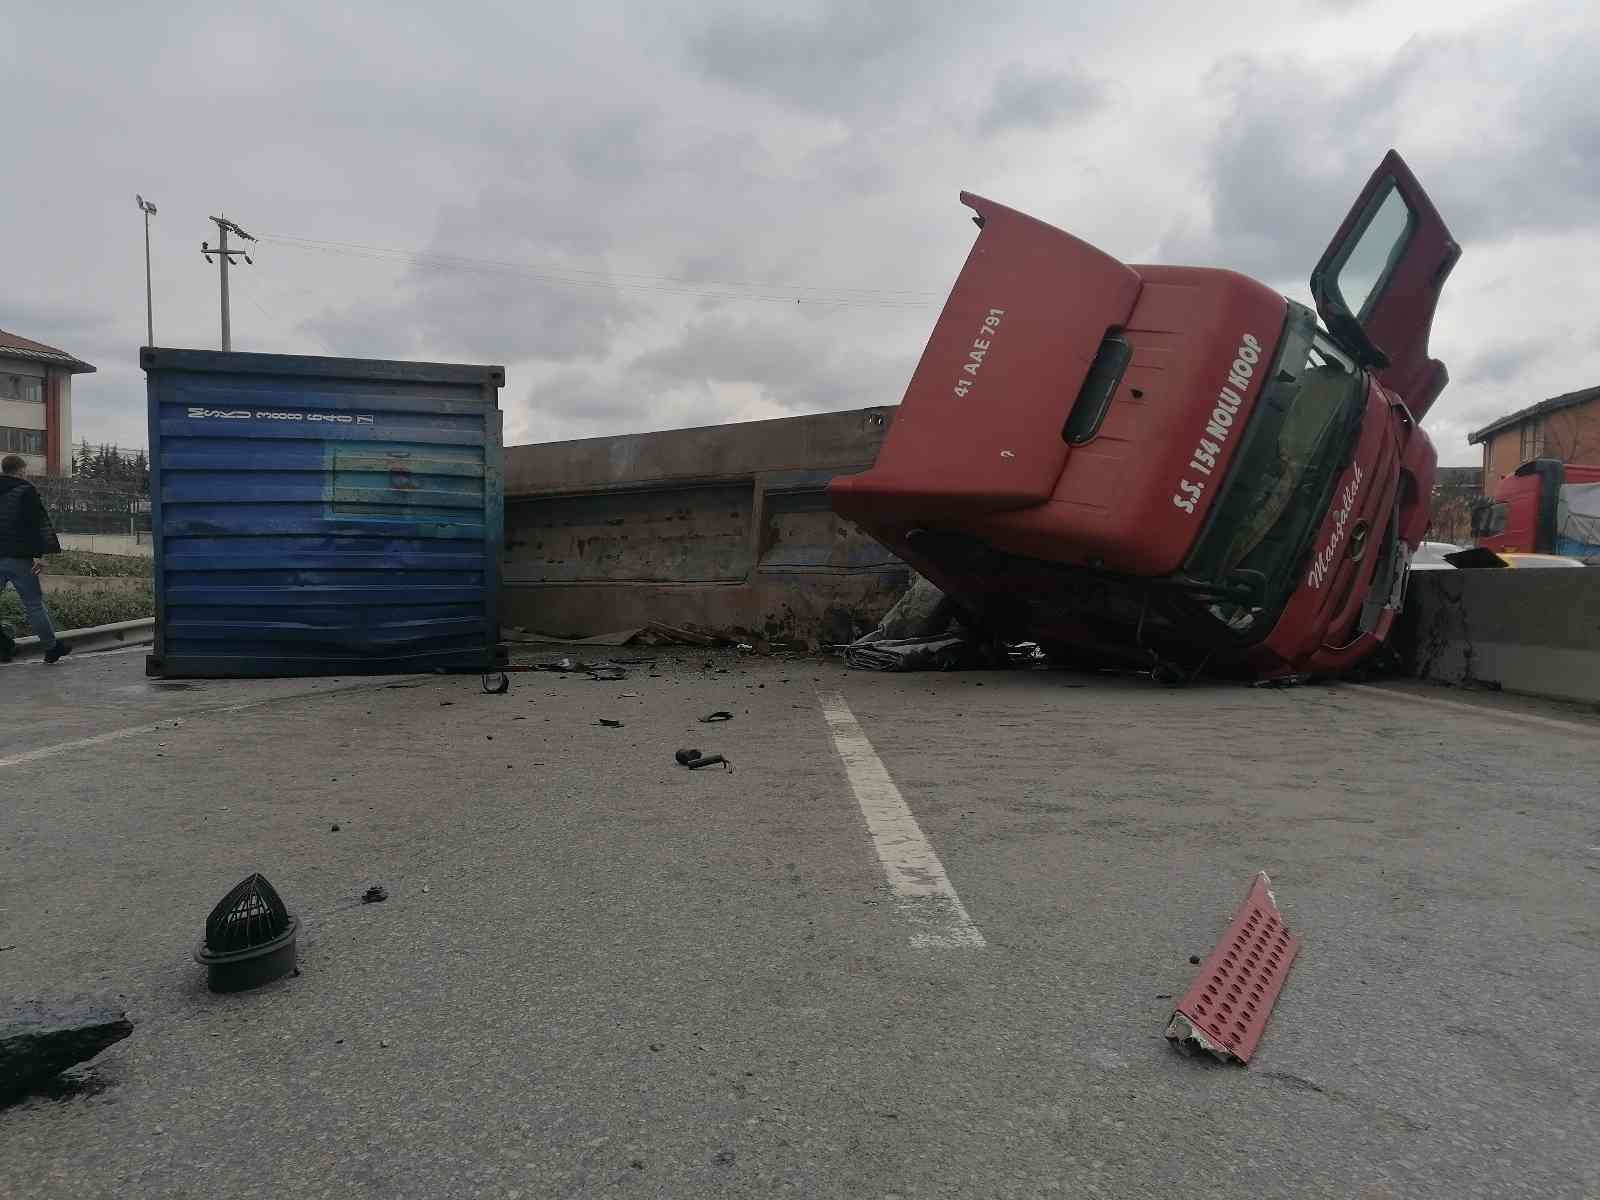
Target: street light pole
[
  {"x": 149, "y": 210},
  {"x": 224, "y": 228}
]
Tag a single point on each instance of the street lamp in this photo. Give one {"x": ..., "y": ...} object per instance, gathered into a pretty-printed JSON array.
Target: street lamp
[{"x": 149, "y": 210}]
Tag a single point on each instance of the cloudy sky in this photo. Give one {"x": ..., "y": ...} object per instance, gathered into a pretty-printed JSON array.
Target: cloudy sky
[{"x": 672, "y": 214}]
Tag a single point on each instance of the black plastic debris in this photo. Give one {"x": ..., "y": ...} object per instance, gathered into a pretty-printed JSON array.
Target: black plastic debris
[
  {"x": 609, "y": 724},
  {"x": 719, "y": 715},
  {"x": 376, "y": 894},
  {"x": 496, "y": 689},
  {"x": 694, "y": 760},
  {"x": 38, "y": 1042},
  {"x": 250, "y": 938}
]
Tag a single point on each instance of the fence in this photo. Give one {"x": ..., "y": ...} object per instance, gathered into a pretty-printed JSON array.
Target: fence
[{"x": 87, "y": 506}]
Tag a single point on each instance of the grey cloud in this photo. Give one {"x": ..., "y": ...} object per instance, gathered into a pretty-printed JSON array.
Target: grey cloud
[
  {"x": 1035, "y": 100},
  {"x": 1502, "y": 364},
  {"x": 485, "y": 315},
  {"x": 573, "y": 398},
  {"x": 364, "y": 331},
  {"x": 610, "y": 151},
  {"x": 76, "y": 330},
  {"x": 795, "y": 368},
  {"x": 838, "y": 57},
  {"x": 1281, "y": 174},
  {"x": 1300, "y": 139}
]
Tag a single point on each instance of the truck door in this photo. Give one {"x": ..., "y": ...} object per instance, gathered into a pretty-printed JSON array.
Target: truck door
[{"x": 1379, "y": 280}]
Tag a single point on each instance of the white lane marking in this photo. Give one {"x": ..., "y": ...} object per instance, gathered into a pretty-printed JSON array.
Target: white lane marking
[
  {"x": 916, "y": 876},
  {"x": 1478, "y": 710},
  {"x": 28, "y": 756}
]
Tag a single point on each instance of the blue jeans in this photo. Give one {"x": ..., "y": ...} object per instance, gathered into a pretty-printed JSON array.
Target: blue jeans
[{"x": 18, "y": 572}]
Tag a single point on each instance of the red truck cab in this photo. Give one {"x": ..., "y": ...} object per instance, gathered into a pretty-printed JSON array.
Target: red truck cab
[
  {"x": 1172, "y": 465},
  {"x": 1546, "y": 507}
]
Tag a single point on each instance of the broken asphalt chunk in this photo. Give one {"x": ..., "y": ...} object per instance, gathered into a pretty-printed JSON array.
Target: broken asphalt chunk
[
  {"x": 609, "y": 724},
  {"x": 719, "y": 715},
  {"x": 38, "y": 1041},
  {"x": 376, "y": 894},
  {"x": 1225, "y": 1010}
]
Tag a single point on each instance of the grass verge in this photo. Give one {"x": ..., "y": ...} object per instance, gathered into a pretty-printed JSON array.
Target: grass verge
[{"x": 79, "y": 609}]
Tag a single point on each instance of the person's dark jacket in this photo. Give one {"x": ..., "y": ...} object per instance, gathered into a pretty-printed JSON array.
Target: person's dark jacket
[{"x": 25, "y": 529}]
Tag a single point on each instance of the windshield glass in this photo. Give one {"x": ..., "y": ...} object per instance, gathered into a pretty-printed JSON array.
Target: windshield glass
[
  {"x": 1279, "y": 486},
  {"x": 1489, "y": 520}
]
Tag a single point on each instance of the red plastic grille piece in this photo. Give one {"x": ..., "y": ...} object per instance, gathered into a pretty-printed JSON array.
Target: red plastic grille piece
[{"x": 1225, "y": 1009}]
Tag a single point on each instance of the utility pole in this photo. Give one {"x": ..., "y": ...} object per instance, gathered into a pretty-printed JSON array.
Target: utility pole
[
  {"x": 225, "y": 257},
  {"x": 149, "y": 210}
]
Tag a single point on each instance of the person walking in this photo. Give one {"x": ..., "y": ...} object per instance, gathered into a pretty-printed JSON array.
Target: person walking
[{"x": 26, "y": 535}]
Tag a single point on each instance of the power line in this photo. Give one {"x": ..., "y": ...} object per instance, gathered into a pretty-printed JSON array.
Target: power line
[{"x": 580, "y": 277}]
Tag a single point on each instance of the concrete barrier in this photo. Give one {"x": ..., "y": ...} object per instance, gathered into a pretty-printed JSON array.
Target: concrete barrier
[
  {"x": 726, "y": 527},
  {"x": 1530, "y": 631}
]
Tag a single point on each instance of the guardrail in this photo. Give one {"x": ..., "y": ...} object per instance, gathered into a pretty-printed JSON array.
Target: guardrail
[{"x": 97, "y": 637}]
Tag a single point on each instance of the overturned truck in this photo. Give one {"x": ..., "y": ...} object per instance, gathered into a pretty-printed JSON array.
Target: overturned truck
[{"x": 1173, "y": 466}]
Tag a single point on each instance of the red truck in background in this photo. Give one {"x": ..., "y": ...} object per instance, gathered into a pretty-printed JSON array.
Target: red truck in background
[
  {"x": 1545, "y": 507},
  {"x": 1173, "y": 466}
]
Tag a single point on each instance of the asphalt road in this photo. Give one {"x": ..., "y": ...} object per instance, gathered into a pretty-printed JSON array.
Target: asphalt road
[{"x": 599, "y": 973}]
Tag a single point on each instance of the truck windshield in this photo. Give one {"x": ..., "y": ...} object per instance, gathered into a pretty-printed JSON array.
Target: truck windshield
[
  {"x": 1489, "y": 518},
  {"x": 1281, "y": 481}
]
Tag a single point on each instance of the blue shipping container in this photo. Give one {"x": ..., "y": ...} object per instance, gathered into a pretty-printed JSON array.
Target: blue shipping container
[{"x": 323, "y": 516}]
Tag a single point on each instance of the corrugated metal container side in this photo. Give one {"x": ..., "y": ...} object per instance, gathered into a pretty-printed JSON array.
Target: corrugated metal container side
[{"x": 323, "y": 516}]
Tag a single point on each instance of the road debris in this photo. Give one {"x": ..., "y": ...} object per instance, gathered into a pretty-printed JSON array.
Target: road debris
[
  {"x": 950, "y": 652},
  {"x": 607, "y": 674},
  {"x": 721, "y": 714},
  {"x": 497, "y": 689},
  {"x": 249, "y": 938},
  {"x": 1225, "y": 1010},
  {"x": 376, "y": 894},
  {"x": 694, "y": 760},
  {"x": 609, "y": 724},
  {"x": 38, "y": 1042},
  {"x": 652, "y": 633}
]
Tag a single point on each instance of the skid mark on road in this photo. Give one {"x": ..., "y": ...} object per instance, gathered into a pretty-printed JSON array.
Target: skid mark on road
[{"x": 916, "y": 876}]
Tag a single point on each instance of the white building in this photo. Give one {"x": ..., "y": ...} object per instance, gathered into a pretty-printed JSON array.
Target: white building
[{"x": 36, "y": 403}]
